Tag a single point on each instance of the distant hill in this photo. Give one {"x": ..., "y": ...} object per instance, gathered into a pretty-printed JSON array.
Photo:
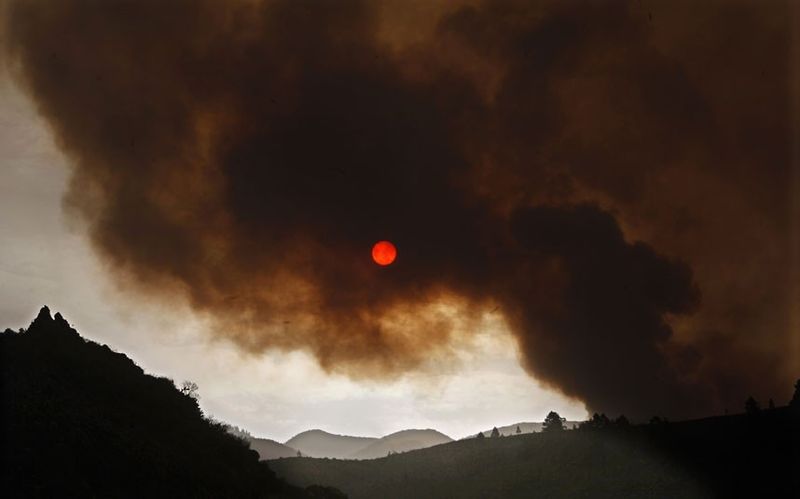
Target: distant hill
[
  {"x": 270, "y": 449},
  {"x": 402, "y": 441},
  {"x": 733, "y": 456},
  {"x": 321, "y": 444},
  {"x": 318, "y": 443},
  {"x": 80, "y": 420}
]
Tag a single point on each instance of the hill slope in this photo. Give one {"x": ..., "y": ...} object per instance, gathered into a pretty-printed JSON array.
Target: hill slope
[
  {"x": 80, "y": 420},
  {"x": 318, "y": 443},
  {"x": 270, "y": 449},
  {"x": 402, "y": 441},
  {"x": 732, "y": 456}
]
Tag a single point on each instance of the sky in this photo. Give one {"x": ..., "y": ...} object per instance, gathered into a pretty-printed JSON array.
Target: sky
[
  {"x": 46, "y": 259},
  {"x": 595, "y": 205}
]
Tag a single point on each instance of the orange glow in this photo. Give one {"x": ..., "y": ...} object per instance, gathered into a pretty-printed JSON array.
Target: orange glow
[{"x": 384, "y": 253}]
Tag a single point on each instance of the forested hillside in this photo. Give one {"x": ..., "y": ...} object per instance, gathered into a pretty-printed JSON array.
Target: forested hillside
[{"x": 753, "y": 455}]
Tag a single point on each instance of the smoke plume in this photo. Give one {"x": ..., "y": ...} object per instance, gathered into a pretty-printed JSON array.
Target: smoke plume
[{"x": 615, "y": 178}]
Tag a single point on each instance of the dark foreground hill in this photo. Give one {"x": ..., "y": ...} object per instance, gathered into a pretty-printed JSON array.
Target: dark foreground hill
[
  {"x": 736, "y": 456},
  {"x": 79, "y": 420}
]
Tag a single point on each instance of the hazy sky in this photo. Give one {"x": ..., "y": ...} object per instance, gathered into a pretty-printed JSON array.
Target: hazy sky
[{"x": 44, "y": 259}]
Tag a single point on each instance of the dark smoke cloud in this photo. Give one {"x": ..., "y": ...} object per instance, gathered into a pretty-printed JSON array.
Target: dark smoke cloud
[
  {"x": 246, "y": 155},
  {"x": 609, "y": 313}
]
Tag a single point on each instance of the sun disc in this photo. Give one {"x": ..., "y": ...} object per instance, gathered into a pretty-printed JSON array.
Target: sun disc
[{"x": 384, "y": 253}]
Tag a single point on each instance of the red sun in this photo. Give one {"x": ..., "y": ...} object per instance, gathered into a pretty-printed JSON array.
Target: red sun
[{"x": 384, "y": 253}]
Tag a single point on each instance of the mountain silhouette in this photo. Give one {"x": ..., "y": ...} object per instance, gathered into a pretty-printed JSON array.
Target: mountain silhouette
[
  {"x": 80, "y": 420},
  {"x": 402, "y": 441},
  {"x": 319, "y": 443}
]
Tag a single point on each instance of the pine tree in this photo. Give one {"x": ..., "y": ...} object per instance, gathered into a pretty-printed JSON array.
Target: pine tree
[
  {"x": 795, "y": 402},
  {"x": 751, "y": 406},
  {"x": 553, "y": 422}
]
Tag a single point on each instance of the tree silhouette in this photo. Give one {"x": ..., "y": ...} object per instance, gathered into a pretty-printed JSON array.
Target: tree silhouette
[
  {"x": 751, "y": 406},
  {"x": 795, "y": 402},
  {"x": 480, "y": 435},
  {"x": 598, "y": 421},
  {"x": 553, "y": 422},
  {"x": 189, "y": 388},
  {"x": 622, "y": 421},
  {"x": 495, "y": 432},
  {"x": 518, "y": 430}
]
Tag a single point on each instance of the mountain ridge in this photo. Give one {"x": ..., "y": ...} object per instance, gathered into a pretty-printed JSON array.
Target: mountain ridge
[
  {"x": 320, "y": 443},
  {"x": 402, "y": 441},
  {"x": 323, "y": 444}
]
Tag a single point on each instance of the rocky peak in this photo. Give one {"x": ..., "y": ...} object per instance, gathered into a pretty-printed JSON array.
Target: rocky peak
[{"x": 44, "y": 323}]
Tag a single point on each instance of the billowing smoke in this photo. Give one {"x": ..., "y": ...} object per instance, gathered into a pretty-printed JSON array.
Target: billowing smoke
[
  {"x": 614, "y": 178},
  {"x": 606, "y": 313}
]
